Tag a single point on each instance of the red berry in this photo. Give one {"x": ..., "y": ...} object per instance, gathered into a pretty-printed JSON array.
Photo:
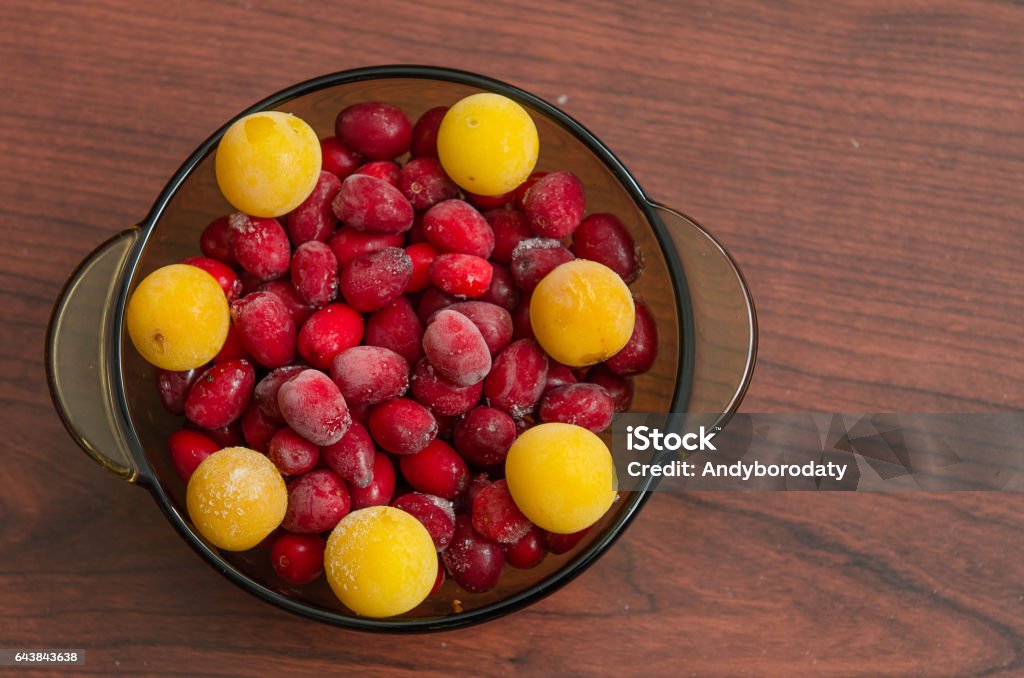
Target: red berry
[
  {"x": 314, "y": 219},
  {"x": 402, "y": 426},
  {"x": 298, "y": 558},
  {"x": 461, "y": 275},
  {"x": 397, "y": 327},
  {"x": 348, "y": 243},
  {"x": 496, "y": 516},
  {"x": 436, "y": 469},
  {"x": 372, "y": 281},
  {"x": 586, "y": 405},
  {"x": 292, "y": 454},
  {"x": 439, "y": 580},
  {"x": 494, "y": 322},
  {"x": 188, "y": 449},
  {"x": 267, "y": 329},
  {"x": 440, "y": 395},
  {"x": 315, "y": 273},
  {"x": 220, "y": 394},
  {"x": 535, "y": 258},
  {"x": 503, "y": 290},
  {"x": 528, "y": 551},
  {"x": 516, "y": 381},
  {"x": 215, "y": 241},
  {"x": 510, "y": 228},
  {"x": 233, "y": 348},
  {"x": 563, "y": 543},
  {"x": 352, "y": 456},
  {"x": 558, "y": 375},
  {"x": 456, "y": 349},
  {"x": 385, "y": 170},
  {"x": 432, "y": 301},
  {"x": 521, "y": 326},
  {"x": 638, "y": 355},
  {"x": 603, "y": 238},
  {"x": 424, "y": 133},
  {"x": 555, "y": 205},
  {"x": 456, "y": 226},
  {"x": 173, "y": 387},
  {"x": 226, "y": 436},
  {"x": 381, "y": 487},
  {"x": 328, "y": 332},
  {"x": 370, "y": 374},
  {"x": 314, "y": 407},
  {"x": 316, "y": 502},
  {"x": 436, "y": 514},
  {"x": 473, "y": 562},
  {"x": 484, "y": 436},
  {"x": 260, "y": 246},
  {"x": 424, "y": 183},
  {"x": 476, "y": 483},
  {"x": 338, "y": 159},
  {"x": 221, "y": 272},
  {"x": 265, "y": 395},
  {"x": 524, "y": 188},
  {"x": 369, "y": 204},
  {"x": 258, "y": 428},
  {"x": 487, "y": 202},
  {"x": 377, "y": 130},
  {"x": 284, "y": 290},
  {"x": 422, "y": 255},
  {"x": 619, "y": 388}
]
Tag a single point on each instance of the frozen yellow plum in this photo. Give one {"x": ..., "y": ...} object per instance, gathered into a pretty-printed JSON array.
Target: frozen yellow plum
[
  {"x": 561, "y": 477},
  {"x": 487, "y": 144},
  {"x": 380, "y": 561},
  {"x": 178, "y": 317},
  {"x": 268, "y": 163},
  {"x": 236, "y": 497},
  {"x": 582, "y": 313}
]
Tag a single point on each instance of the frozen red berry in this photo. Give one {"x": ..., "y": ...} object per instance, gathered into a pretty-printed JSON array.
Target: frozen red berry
[
  {"x": 424, "y": 183},
  {"x": 314, "y": 407},
  {"x": 485, "y": 435},
  {"x": 618, "y": 387},
  {"x": 328, "y": 332},
  {"x": 503, "y": 290},
  {"x": 385, "y": 170},
  {"x": 461, "y": 275},
  {"x": 173, "y": 387},
  {"x": 528, "y": 551},
  {"x": 188, "y": 449},
  {"x": 374, "y": 129},
  {"x": 432, "y": 301},
  {"x": 422, "y": 255},
  {"x": 285, "y": 291},
  {"x": 233, "y": 348},
  {"x": 314, "y": 218},
  {"x": 317, "y": 501},
  {"x": 516, "y": 381},
  {"x": 381, "y": 487},
  {"x": 266, "y": 327},
  {"x": 298, "y": 558},
  {"x": 473, "y": 561},
  {"x": 220, "y": 394},
  {"x": 639, "y": 353},
  {"x": 265, "y": 395},
  {"x": 558, "y": 375},
  {"x": 226, "y": 436},
  {"x": 456, "y": 348},
  {"x": 456, "y": 226},
  {"x": 436, "y": 469},
  {"x": 563, "y": 543},
  {"x": 315, "y": 273},
  {"x": 586, "y": 405},
  {"x": 352, "y": 456},
  {"x": 369, "y": 204},
  {"x": 260, "y": 246},
  {"x": 496, "y": 516},
  {"x": 221, "y": 272},
  {"x": 292, "y": 454},
  {"x": 522, "y": 328},
  {"x": 603, "y": 238},
  {"x": 534, "y": 258},
  {"x": 367, "y": 375},
  {"x": 397, "y": 327},
  {"x": 258, "y": 428},
  {"x": 555, "y": 205},
  {"x": 215, "y": 241},
  {"x": 524, "y": 188},
  {"x": 487, "y": 202},
  {"x": 494, "y": 322},
  {"x": 441, "y": 395},
  {"x": 435, "y": 513},
  {"x": 402, "y": 426},
  {"x": 424, "y": 133},
  {"x": 348, "y": 243},
  {"x": 337, "y": 158},
  {"x": 510, "y": 228},
  {"x": 372, "y": 281}
]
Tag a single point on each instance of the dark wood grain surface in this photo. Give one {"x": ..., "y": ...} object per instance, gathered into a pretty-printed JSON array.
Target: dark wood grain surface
[{"x": 863, "y": 162}]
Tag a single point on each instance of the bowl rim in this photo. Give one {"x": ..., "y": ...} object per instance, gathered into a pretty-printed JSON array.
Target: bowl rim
[{"x": 572, "y": 568}]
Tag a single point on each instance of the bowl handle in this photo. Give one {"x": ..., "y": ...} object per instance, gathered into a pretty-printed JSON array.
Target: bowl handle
[
  {"x": 724, "y": 333},
  {"x": 78, "y": 353}
]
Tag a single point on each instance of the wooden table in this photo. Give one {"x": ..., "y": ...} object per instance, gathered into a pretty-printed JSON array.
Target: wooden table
[{"x": 862, "y": 162}]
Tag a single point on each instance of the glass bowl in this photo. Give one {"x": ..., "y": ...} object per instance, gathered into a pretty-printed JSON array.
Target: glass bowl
[{"x": 107, "y": 397}]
